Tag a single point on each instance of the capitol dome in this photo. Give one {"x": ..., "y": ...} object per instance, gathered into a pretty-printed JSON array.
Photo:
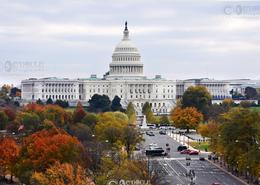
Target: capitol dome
[{"x": 126, "y": 59}]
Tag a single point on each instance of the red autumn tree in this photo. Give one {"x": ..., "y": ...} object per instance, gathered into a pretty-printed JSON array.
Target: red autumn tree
[
  {"x": 79, "y": 113},
  {"x": 45, "y": 147},
  {"x": 9, "y": 152},
  {"x": 10, "y": 113}
]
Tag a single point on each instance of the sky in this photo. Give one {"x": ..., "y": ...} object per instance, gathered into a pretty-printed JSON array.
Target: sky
[{"x": 177, "y": 39}]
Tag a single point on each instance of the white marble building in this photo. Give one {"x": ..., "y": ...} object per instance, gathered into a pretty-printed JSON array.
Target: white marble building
[
  {"x": 219, "y": 89},
  {"x": 125, "y": 79}
]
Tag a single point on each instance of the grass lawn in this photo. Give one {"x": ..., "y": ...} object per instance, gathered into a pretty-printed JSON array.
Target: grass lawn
[
  {"x": 255, "y": 108},
  {"x": 200, "y": 146}
]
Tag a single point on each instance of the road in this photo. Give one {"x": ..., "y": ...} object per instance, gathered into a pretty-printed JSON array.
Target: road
[{"x": 174, "y": 168}]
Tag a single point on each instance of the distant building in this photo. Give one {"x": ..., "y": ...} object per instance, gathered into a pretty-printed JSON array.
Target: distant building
[
  {"x": 125, "y": 79},
  {"x": 219, "y": 89}
]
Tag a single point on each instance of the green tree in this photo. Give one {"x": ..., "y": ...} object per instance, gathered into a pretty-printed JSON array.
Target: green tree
[
  {"x": 39, "y": 102},
  {"x": 164, "y": 120},
  {"x": 99, "y": 103},
  {"x": 130, "y": 137},
  {"x": 130, "y": 111},
  {"x": 3, "y": 120},
  {"x": 250, "y": 93},
  {"x": 116, "y": 105},
  {"x": 81, "y": 131},
  {"x": 90, "y": 120},
  {"x": 30, "y": 120},
  {"x": 49, "y": 101},
  {"x": 240, "y": 138},
  {"x": 62, "y": 103},
  {"x": 147, "y": 111},
  {"x": 110, "y": 126},
  {"x": 197, "y": 97}
]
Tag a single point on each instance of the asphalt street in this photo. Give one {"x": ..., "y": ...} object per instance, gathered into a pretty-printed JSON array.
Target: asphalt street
[{"x": 175, "y": 171}]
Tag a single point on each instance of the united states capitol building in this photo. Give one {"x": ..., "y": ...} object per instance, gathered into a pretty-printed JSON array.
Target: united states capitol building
[{"x": 125, "y": 79}]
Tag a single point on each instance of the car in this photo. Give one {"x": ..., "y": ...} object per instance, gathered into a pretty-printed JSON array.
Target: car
[
  {"x": 188, "y": 158},
  {"x": 215, "y": 183},
  {"x": 202, "y": 159},
  {"x": 193, "y": 152},
  {"x": 181, "y": 147},
  {"x": 187, "y": 151},
  {"x": 150, "y": 133},
  {"x": 155, "y": 151},
  {"x": 162, "y": 132}
]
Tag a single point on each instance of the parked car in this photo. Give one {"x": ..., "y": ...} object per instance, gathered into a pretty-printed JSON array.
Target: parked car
[
  {"x": 182, "y": 147},
  {"x": 202, "y": 159},
  {"x": 215, "y": 183},
  {"x": 187, "y": 151},
  {"x": 162, "y": 132},
  {"x": 193, "y": 152}
]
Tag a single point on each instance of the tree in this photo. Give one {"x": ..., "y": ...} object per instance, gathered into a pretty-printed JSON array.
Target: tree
[
  {"x": 79, "y": 113},
  {"x": 4, "y": 91},
  {"x": 130, "y": 138},
  {"x": 250, "y": 92},
  {"x": 30, "y": 120},
  {"x": 147, "y": 111},
  {"x": 62, "y": 103},
  {"x": 187, "y": 118},
  {"x": 3, "y": 120},
  {"x": 239, "y": 139},
  {"x": 81, "y": 131},
  {"x": 11, "y": 114},
  {"x": 116, "y": 105},
  {"x": 210, "y": 130},
  {"x": 164, "y": 120},
  {"x": 57, "y": 114},
  {"x": 43, "y": 149},
  {"x": 39, "y": 102},
  {"x": 49, "y": 101},
  {"x": 197, "y": 97},
  {"x": 90, "y": 120},
  {"x": 15, "y": 92},
  {"x": 245, "y": 104},
  {"x": 62, "y": 174},
  {"x": 130, "y": 111},
  {"x": 110, "y": 126},
  {"x": 9, "y": 151},
  {"x": 99, "y": 103}
]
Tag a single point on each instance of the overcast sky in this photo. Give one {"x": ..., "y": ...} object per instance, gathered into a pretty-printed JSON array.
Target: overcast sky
[{"x": 179, "y": 40}]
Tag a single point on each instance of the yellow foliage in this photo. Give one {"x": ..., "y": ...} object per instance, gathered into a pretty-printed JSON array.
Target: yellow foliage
[{"x": 62, "y": 174}]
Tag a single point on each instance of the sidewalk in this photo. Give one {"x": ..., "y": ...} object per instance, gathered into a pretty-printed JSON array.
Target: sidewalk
[{"x": 217, "y": 164}]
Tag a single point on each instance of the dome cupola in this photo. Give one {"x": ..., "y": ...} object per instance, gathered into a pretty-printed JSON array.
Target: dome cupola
[{"x": 126, "y": 59}]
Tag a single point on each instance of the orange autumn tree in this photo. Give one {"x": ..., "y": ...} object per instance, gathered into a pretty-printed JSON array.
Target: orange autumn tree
[
  {"x": 9, "y": 152},
  {"x": 62, "y": 174},
  {"x": 44, "y": 148},
  {"x": 187, "y": 118}
]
